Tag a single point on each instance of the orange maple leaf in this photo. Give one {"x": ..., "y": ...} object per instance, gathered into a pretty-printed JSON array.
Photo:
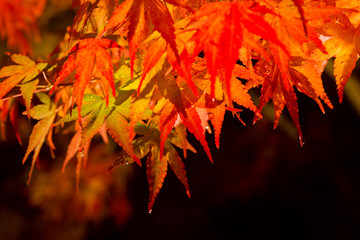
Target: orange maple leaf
[
  {"x": 291, "y": 68},
  {"x": 135, "y": 12},
  {"x": 88, "y": 56},
  {"x": 279, "y": 87},
  {"x": 228, "y": 27},
  {"x": 344, "y": 44}
]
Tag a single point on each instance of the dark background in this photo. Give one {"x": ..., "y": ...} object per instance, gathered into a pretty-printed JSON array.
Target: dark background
[{"x": 261, "y": 185}]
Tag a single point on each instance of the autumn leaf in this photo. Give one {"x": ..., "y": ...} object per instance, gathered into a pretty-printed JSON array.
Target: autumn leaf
[
  {"x": 156, "y": 167},
  {"x": 216, "y": 115},
  {"x": 293, "y": 68},
  {"x": 307, "y": 80},
  {"x": 228, "y": 27},
  {"x": 133, "y": 12},
  {"x": 156, "y": 171},
  {"x": 140, "y": 103},
  {"x": 118, "y": 128},
  {"x": 39, "y": 132},
  {"x": 177, "y": 165},
  {"x": 153, "y": 60},
  {"x": 344, "y": 45},
  {"x": 90, "y": 102},
  {"x": 87, "y": 56},
  {"x": 169, "y": 89},
  {"x": 92, "y": 123},
  {"x": 25, "y": 72},
  {"x": 178, "y": 138},
  {"x": 73, "y": 148},
  {"x": 192, "y": 121},
  {"x": 299, "y": 4},
  {"x": 166, "y": 124},
  {"x": 156, "y": 50},
  {"x": 215, "y": 108}
]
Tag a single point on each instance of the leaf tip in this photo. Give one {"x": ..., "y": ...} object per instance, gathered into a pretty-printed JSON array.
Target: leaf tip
[
  {"x": 137, "y": 160},
  {"x": 188, "y": 193},
  {"x": 301, "y": 140}
]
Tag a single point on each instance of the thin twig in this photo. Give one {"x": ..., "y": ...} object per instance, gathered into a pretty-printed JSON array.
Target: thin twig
[
  {"x": 19, "y": 95},
  {"x": 43, "y": 73}
]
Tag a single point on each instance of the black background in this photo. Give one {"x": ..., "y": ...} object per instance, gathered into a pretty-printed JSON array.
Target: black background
[{"x": 262, "y": 184}]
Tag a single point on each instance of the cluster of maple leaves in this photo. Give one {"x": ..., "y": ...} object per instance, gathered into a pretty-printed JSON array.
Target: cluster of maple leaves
[{"x": 148, "y": 71}]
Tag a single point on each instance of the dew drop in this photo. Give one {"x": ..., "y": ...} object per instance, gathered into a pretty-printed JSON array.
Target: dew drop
[
  {"x": 302, "y": 140},
  {"x": 213, "y": 99}
]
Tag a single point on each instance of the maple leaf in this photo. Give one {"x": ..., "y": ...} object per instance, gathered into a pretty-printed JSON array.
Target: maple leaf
[
  {"x": 118, "y": 127},
  {"x": 221, "y": 102},
  {"x": 73, "y": 148},
  {"x": 307, "y": 79},
  {"x": 90, "y": 103},
  {"x": 344, "y": 45},
  {"x": 228, "y": 27},
  {"x": 192, "y": 121},
  {"x": 284, "y": 71},
  {"x": 179, "y": 139},
  {"x": 134, "y": 12},
  {"x": 166, "y": 124},
  {"x": 156, "y": 166},
  {"x": 153, "y": 60},
  {"x": 289, "y": 19},
  {"x": 169, "y": 89},
  {"x": 140, "y": 103},
  {"x": 156, "y": 50},
  {"x": 96, "y": 114},
  {"x": 216, "y": 110},
  {"x": 93, "y": 123},
  {"x": 298, "y": 4},
  {"x": 40, "y": 130},
  {"x": 87, "y": 56},
  {"x": 156, "y": 172},
  {"x": 217, "y": 105},
  {"x": 177, "y": 165},
  {"x": 25, "y": 72}
]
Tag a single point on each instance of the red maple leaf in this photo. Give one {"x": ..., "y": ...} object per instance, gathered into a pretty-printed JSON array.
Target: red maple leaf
[{"x": 228, "y": 27}]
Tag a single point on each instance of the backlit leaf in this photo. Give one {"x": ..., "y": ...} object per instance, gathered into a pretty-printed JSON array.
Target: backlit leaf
[
  {"x": 25, "y": 73},
  {"x": 84, "y": 57},
  {"x": 37, "y": 138},
  {"x": 118, "y": 128},
  {"x": 156, "y": 171}
]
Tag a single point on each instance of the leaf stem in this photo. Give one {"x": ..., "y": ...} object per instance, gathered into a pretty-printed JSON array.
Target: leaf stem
[{"x": 19, "y": 95}]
